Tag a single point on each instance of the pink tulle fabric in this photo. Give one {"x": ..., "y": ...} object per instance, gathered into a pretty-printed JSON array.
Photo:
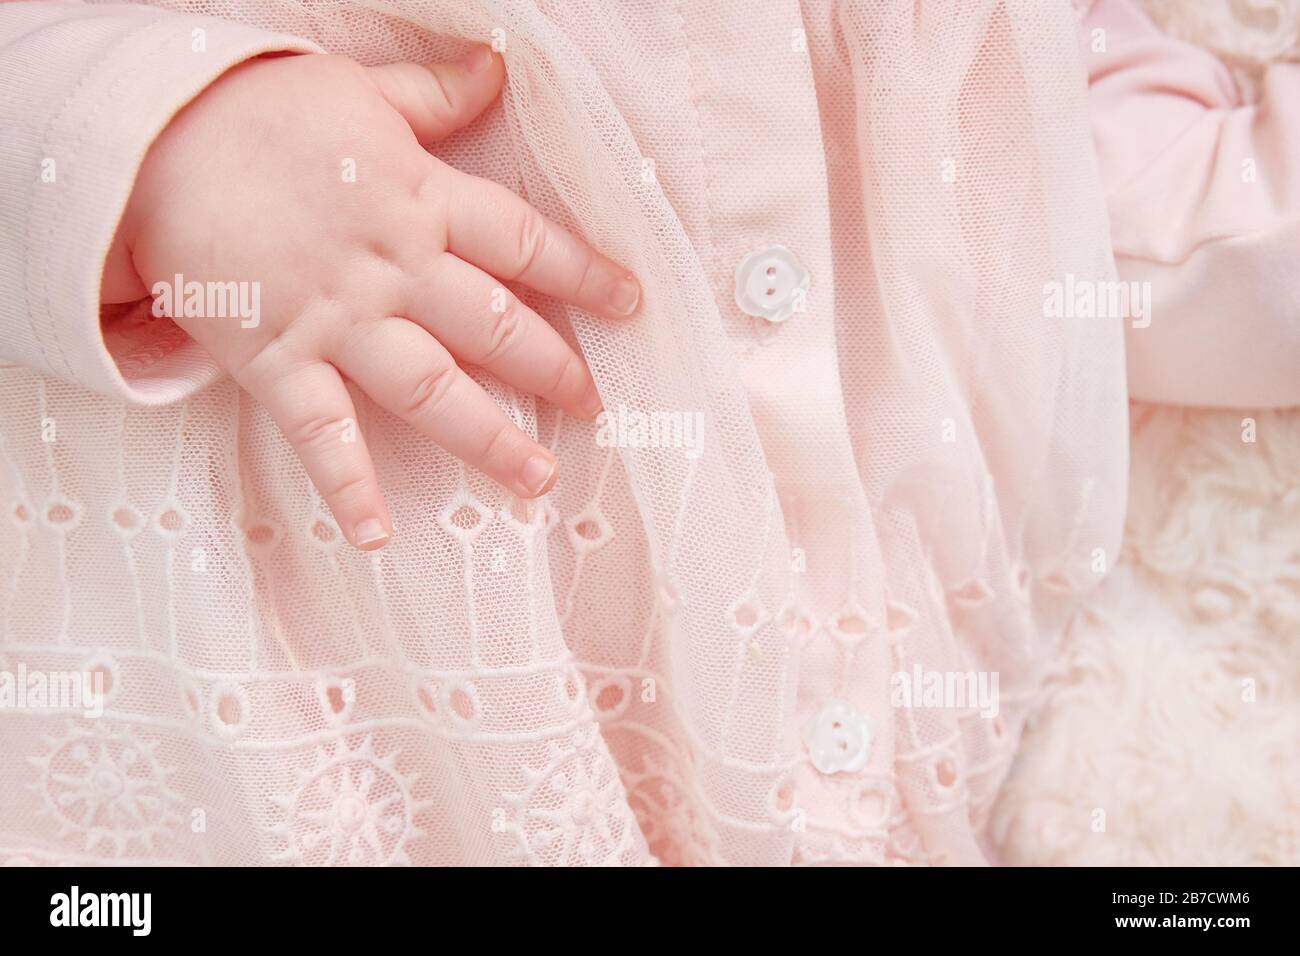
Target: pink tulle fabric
[{"x": 917, "y": 471}]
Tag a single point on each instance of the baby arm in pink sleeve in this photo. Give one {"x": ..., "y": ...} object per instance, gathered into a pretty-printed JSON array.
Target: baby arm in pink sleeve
[
  {"x": 159, "y": 158},
  {"x": 87, "y": 89},
  {"x": 1203, "y": 191}
]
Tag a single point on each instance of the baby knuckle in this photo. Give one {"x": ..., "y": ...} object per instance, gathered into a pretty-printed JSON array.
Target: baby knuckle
[
  {"x": 530, "y": 242},
  {"x": 428, "y": 393},
  {"x": 587, "y": 265},
  {"x": 505, "y": 330},
  {"x": 567, "y": 371},
  {"x": 430, "y": 189},
  {"x": 319, "y": 432},
  {"x": 499, "y": 447},
  {"x": 438, "y": 99},
  {"x": 354, "y": 488},
  {"x": 259, "y": 370}
]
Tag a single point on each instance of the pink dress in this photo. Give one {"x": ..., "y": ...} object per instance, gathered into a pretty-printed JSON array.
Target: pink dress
[{"x": 868, "y": 437}]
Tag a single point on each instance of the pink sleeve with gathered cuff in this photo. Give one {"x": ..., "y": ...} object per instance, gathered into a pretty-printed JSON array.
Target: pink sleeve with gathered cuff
[
  {"x": 87, "y": 89},
  {"x": 1203, "y": 191}
]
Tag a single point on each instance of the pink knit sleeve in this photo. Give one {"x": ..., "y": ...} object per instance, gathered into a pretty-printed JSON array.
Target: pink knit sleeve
[
  {"x": 86, "y": 91},
  {"x": 1203, "y": 191}
]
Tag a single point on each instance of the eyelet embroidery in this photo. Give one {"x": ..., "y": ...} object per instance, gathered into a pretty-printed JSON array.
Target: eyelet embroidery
[
  {"x": 322, "y": 532},
  {"x": 852, "y": 624},
  {"x": 170, "y": 520},
  {"x": 899, "y": 617},
  {"x": 746, "y": 616},
  {"x": 610, "y": 697},
  {"x": 589, "y": 530},
  {"x": 22, "y": 514},
  {"x": 465, "y": 517},
  {"x": 336, "y": 695},
  {"x": 229, "y": 710},
  {"x": 104, "y": 664},
  {"x": 61, "y": 514},
  {"x": 971, "y": 594},
  {"x": 125, "y": 519},
  {"x": 459, "y": 706}
]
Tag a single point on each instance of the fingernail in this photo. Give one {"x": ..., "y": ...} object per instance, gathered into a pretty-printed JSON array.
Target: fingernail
[
  {"x": 536, "y": 473},
  {"x": 591, "y": 403},
  {"x": 370, "y": 534},
  {"x": 478, "y": 59},
  {"x": 624, "y": 294}
]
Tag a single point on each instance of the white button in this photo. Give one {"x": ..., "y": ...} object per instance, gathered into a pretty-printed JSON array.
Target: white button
[
  {"x": 771, "y": 284},
  {"x": 838, "y": 739}
]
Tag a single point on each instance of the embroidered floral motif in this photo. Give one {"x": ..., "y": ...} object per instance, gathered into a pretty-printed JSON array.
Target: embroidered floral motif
[
  {"x": 106, "y": 786},
  {"x": 351, "y": 807},
  {"x": 571, "y": 810}
]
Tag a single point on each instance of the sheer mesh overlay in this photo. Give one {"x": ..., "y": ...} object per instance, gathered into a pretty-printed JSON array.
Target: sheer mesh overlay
[{"x": 682, "y": 654}]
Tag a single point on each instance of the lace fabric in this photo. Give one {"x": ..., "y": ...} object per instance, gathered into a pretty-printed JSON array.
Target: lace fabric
[{"x": 920, "y": 473}]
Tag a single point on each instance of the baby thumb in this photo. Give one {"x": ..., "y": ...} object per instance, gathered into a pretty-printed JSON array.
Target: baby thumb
[{"x": 438, "y": 99}]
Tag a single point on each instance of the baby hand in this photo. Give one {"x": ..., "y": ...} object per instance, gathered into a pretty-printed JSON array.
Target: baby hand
[{"x": 389, "y": 277}]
